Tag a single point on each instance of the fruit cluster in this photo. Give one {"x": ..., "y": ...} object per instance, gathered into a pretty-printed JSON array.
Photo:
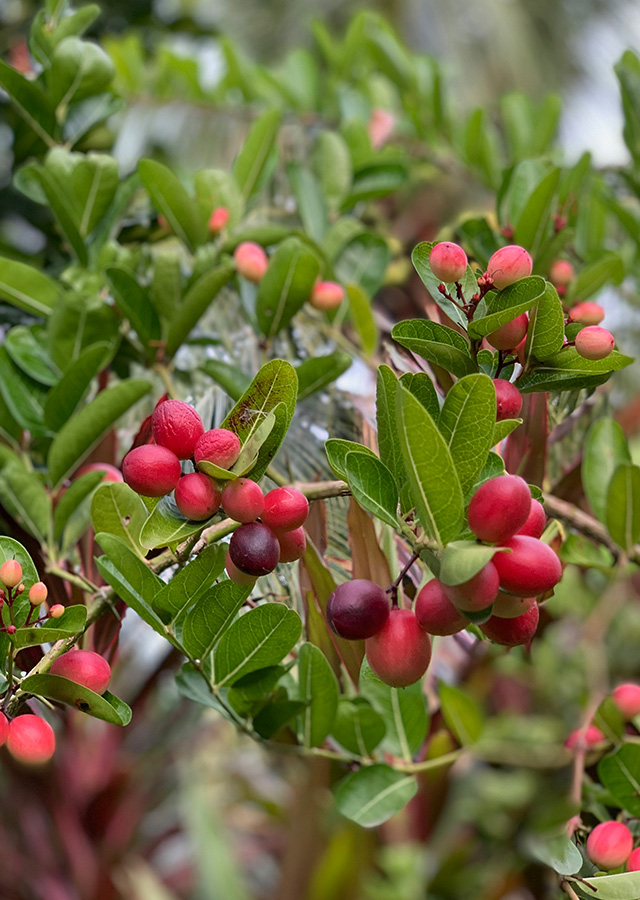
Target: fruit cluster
[
  {"x": 610, "y": 846},
  {"x": 626, "y": 697}
]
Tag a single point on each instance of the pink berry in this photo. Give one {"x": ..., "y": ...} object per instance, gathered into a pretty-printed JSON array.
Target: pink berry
[
  {"x": 512, "y": 632},
  {"x": 38, "y": 593},
  {"x": 400, "y": 652},
  {"x": 536, "y": 521},
  {"x": 357, "y": 609},
  {"x": 251, "y": 261},
  {"x": 177, "y": 426},
  {"x": 508, "y": 265},
  {"x": 627, "y": 698},
  {"x": 499, "y": 508},
  {"x": 11, "y": 573},
  {"x": 594, "y": 342},
  {"x": 110, "y": 472},
  {"x": 84, "y": 667},
  {"x": 587, "y": 313},
  {"x": 478, "y": 592},
  {"x": 561, "y": 273},
  {"x": 609, "y": 845},
  {"x": 508, "y": 606},
  {"x": 31, "y": 740},
  {"x": 326, "y": 295},
  {"x": 56, "y": 610},
  {"x": 285, "y": 508},
  {"x": 509, "y": 335},
  {"x": 235, "y": 574},
  {"x": 243, "y": 500},
  {"x": 4, "y": 728},
  {"x": 151, "y": 470},
  {"x": 633, "y": 863},
  {"x": 218, "y": 219},
  {"x": 218, "y": 446},
  {"x": 197, "y": 496},
  {"x": 435, "y": 613},
  {"x": 532, "y": 568},
  {"x": 292, "y": 544},
  {"x": 508, "y": 400},
  {"x": 448, "y": 262},
  {"x": 380, "y": 127},
  {"x": 591, "y": 737}
]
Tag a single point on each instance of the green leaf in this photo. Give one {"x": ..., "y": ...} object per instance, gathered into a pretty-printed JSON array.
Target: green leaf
[
  {"x": 318, "y": 690},
  {"x": 609, "y": 268},
  {"x": 373, "y": 486},
  {"x": 432, "y": 477},
  {"x": 193, "y": 685},
  {"x": 620, "y": 774},
  {"x": 604, "y": 450},
  {"x": 461, "y": 560},
  {"x": 310, "y": 200},
  {"x": 260, "y": 638},
  {"x": 31, "y": 102},
  {"x": 70, "y": 623},
  {"x": 27, "y": 288},
  {"x": 210, "y": 618},
  {"x": 388, "y": 443},
  {"x": 80, "y": 435},
  {"x": 331, "y": 162},
  {"x": 275, "y": 715},
  {"x": 195, "y": 303},
  {"x": 437, "y": 344},
  {"x": 71, "y": 500},
  {"x": 63, "y": 399},
  {"x": 166, "y": 526},
  {"x": 286, "y": 285},
  {"x": 23, "y": 496},
  {"x": 623, "y": 506},
  {"x": 532, "y": 224},
  {"x": 252, "y": 159},
  {"x": 625, "y": 886},
  {"x": 252, "y": 446},
  {"x": 467, "y": 421},
  {"x": 374, "y": 794},
  {"x": 362, "y": 318},
  {"x": 230, "y": 378},
  {"x": 558, "y": 852},
  {"x": 404, "y": 713},
  {"x": 248, "y": 694},
  {"x": 79, "y": 69},
  {"x": 506, "y": 305},
  {"x": 190, "y": 583},
  {"x": 134, "y": 302},
  {"x": 166, "y": 287},
  {"x": 337, "y": 449},
  {"x": 214, "y": 188},
  {"x": 131, "y": 579},
  {"x": 77, "y": 323},
  {"x": 358, "y": 727},
  {"x": 26, "y": 348},
  {"x": 171, "y": 199},
  {"x": 363, "y": 262},
  {"x": 462, "y": 714},
  {"x": 118, "y": 510},
  {"x": 420, "y": 260},
  {"x": 568, "y": 370},
  {"x": 54, "y": 687},
  {"x": 422, "y": 387},
  {"x": 545, "y": 334},
  {"x": 23, "y": 396},
  {"x": 318, "y": 372},
  {"x": 580, "y": 551}
]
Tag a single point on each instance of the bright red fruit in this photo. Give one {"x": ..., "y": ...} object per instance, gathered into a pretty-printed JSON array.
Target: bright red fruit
[
  {"x": 292, "y": 544},
  {"x": 31, "y": 740},
  {"x": 627, "y": 698},
  {"x": 591, "y": 737},
  {"x": 357, "y": 609},
  {"x": 587, "y": 313},
  {"x": 511, "y": 632},
  {"x": 326, "y": 295},
  {"x": 4, "y": 728},
  {"x": 177, "y": 426},
  {"x": 218, "y": 446},
  {"x": 243, "y": 500},
  {"x": 400, "y": 652},
  {"x": 633, "y": 863},
  {"x": 448, "y": 261},
  {"x": 594, "y": 342},
  {"x": 531, "y": 568},
  {"x": 251, "y": 261},
  {"x": 151, "y": 470},
  {"x": 499, "y": 508},
  {"x": 609, "y": 845},
  {"x": 285, "y": 508},
  {"x": 197, "y": 496},
  {"x": 507, "y": 606},
  {"x": 536, "y": 521},
  {"x": 478, "y": 592},
  {"x": 254, "y": 549},
  {"x": 218, "y": 219},
  {"x": 508, "y": 400},
  {"x": 84, "y": 667},
  {"x": 110, "y": 472},
  {"x": 509, "y": 335},
  {"x": 508, "y": 265},
  {"x": 435, "y": 613}
]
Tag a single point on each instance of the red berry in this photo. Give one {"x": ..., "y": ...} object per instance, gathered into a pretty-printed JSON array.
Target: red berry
[
  {"x": 509, "y": 335},
  {"x": 448, "y": 261},
  {"x": 531, "y": 568},
  {"x": 511, "y": 632},
  {"x": 508, "y": 265},
  {"x": 594, "y": 342},
  {"x": 633, "y": 863},
  {"x": 84, "y": 667},
  {"x": 499, "y": 508},
  {"x": 508, "y": 400},
  {"x": 587, "y": 313},
  {"x": 326, "y": 295},
  {"x": 357, "y": 609},
  {"x": 478, "y": 592},
  {"x": 235, "y": 574},
  {"x": 11, "y": 573},
  {"x": 110, "y": 472},
  {"x": 218, "y": 446},
  {"x": 561, "y": 273},
  {"x": 435, "y": 613},
  {"x": 218, "y": 219},
  {"x": 177, "y": 426},
  {"x": 254, "y": 549},
  {"x": 609, "y": 845},
  {"x": 508, "y": 606},
  {"x": 292, "y": 544},
  {"x": 31, "y": 740},
  {"x": 251, "y": 261},
  {"x": 197, "y": 496},
  {"x": 151, "y": 470},
  {"x": 591, "y": 737},
  {"x": 38, "y": 593},
  {"x": 243, "y": 500},
  {"x": 4, "y": 728},
  {"x": 400, "y": 652},
  {"x": 627, "y": 698},
  {"x": 536, "y": 521},
  {"x": 285, "y": 508}
]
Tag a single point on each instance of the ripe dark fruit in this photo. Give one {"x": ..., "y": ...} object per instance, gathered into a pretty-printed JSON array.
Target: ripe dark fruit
[
  {"x": 357, "y": 609},
  {"x": 84, "y": 667},
  {"x": 508, "y": 606},
  {"x": 235, "y": 574},
  {"x": 292, "y": 544},
  {"x": 508, "y": 400},
  {"x": 218, "y": 446},
  {"x": 499, "y": 508},
  {"x": 627, "y": 698},
  {"x": 536, "y": 521},
  {"x": 243, "y": 500},
  {"x": 508, "y": 265},
  {"x": 609, "y": 845},
  {"x": 177, "y": 426},
  {"x": 254, "y": 549},
  {"x": 435, "y": 613},
  {"x": 532, "y": 568},
  {"x": 31, "y": 740},
  {"x": 197, "y": 496},
  {"x": 594, "y": 342},
  {"x": 400, "y": 652},
  {"x": 151, "y": 470},
  {"x": 478, "y": 592},
  {"x": 509, "y": 335},
  {"x": 285, "y": 508},
  {"x": 448, "y": 261},
  {"x": 511, "y": 632}
]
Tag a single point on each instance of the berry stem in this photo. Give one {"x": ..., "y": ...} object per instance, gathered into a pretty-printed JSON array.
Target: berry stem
[{"x": 393, "y": 588}]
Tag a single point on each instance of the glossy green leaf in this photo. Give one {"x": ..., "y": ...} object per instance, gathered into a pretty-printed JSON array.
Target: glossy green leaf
[
  {"x": 319, "y": 372},
  {"x": 70, "y": 500},
  {"x": 568, "y": 370},
  {"x": 78, "y": 70},
  {"x": 134, "y": 302},
  {"x": 532, "y": 225},
  {"x": 506, "y": 305},
  {"x": 106, "y": 707},
  {"x": 234, "y": 381},
  {"x": 545, "y": 334},
  {"x": 210, "y": 617},
  {"x": 172, "y": 201},
  {"x": 118, "y": 510},
  {"x": 623, "y": 506},
  {"x": 166, "y": 526},
  {"x": 286, "y": 285},
  {"x": 27, "y": 349},
  {"x": 358, "y": 727},
  {"x": 318, "y": 690},
  {"x": 190, "y": 582},
  {"x": 461, "y": 560},
  {"x": 422, "y": 387},
  {"x": 248, "y": 694},
  {"x": 363, "y": 262},
  {"x": 503, "y": 429},
  {"x": 63, "y": 399},
  {"x": 27, "y": 288},
  {"x": 373, "y": 486},
  {"x": 604, "y": 450},
  {"x": 24, "y": 497},
  {"x": 70, "y": 623},
  {"x": 386, "y": 419},
  {"x": 273, "y": 717},
  {"x": 131, "y": 579},
  {"x": 404, "y": 713},
  {"x": 23, "y": 396},
  {"x": 77, "y": 323},
  {"x": 362, "y": 318},
  {"x": 461, "y": 713},
  {"x": 31, "y": 102},
  {"x": 252, "y": 159},
  {"x": 331, "y": 163},
  {"x": 437, "y": 344},
  {"x": 166, "y": 287},
  {"x": 609, "y": 268},
  {"x": 625, "y": 886},
  {"x": 309, "y": 199},
  {"x": 467, "y": 421},
  {"x": 337, "y": 449},
  {"x": 374, "y": 794},
  {"x": 195, "y": 303},
  {"x": 558, "y": 852},
  {"x": 620, "y": 774}
]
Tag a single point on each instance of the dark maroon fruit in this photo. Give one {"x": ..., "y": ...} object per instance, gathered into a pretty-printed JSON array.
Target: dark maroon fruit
[
  {"x": 357, "y": 609},
  {"x": 254, "y": 549}
]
